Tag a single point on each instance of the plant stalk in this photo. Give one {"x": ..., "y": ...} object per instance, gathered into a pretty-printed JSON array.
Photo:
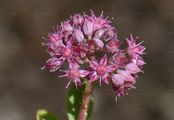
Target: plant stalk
[{"x": 85, "y": 101}]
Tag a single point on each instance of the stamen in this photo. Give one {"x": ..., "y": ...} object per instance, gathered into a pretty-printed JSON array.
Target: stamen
[{"x": 68, "y": 84}]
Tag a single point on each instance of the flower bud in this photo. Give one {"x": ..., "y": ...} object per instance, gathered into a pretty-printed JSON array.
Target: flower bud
[
  {"x": 132, "y": 68},
  {"x": 66, "y": 26},
  {"x": 117, "y": 80},
  {"x": 127, "y": 76},
  {"x": 78, "y": 35},
  {"x": 88, "y": 28},
  {"x": 77, "y": 19}
]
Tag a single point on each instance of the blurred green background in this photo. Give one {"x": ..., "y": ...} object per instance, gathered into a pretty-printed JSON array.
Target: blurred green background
[{"x": 24, "y": 88}]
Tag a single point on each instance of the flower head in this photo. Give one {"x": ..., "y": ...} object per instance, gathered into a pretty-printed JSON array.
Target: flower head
[
  {"x": 53, "y": 64},
  {"x": 90, "y": 47},
  {"x": 101, "y": 70},
  {"x": 74, "y": 73},
  {"x": 134, "y": 49},
  {"x": 113, "y": 45}
]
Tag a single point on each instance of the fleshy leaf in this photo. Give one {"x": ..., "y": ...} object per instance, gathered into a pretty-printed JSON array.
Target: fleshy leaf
[
  {"x": 74, "y": 100},
  {"x": 45, "y": 115}
]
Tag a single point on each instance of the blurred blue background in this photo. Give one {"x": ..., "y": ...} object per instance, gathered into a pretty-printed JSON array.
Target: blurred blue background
[{"x": 24, "y": 88}]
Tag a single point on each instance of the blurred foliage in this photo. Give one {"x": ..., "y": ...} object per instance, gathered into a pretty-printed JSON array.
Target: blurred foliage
[{"x": 45, "y": 115}]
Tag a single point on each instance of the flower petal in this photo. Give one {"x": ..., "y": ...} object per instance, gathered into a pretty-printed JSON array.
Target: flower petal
[
  {"x": 99, "y": 33},
  {"x": 83, "y": 73},
  {"x": 99, "y": 43},
  {"x": 104, "y": 60},
  {"x": 111, "y": 68},
  {"x": 93, "y": 64},
  {"x": 69, "y": 44},
  {"x": 65, "y": 75},
  {"x": 140, "y": 62},
  {"x": 77, "y": 82},
  {"x": 105, "y": 78},
  {"x": 94, "y": 77},
  {"x": 74, "y": 66}
]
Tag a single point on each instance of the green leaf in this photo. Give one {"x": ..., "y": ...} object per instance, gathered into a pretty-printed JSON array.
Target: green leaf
[
  {"x": 45, "y": 115},
  {"x": 74, "y": 100}
]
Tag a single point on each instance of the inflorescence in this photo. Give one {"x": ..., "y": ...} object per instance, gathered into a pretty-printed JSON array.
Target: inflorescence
[{"x": 90, "y": 47}]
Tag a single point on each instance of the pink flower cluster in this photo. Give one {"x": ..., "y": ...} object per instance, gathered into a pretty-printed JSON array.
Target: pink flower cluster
[{"x": 90, "y": 47}]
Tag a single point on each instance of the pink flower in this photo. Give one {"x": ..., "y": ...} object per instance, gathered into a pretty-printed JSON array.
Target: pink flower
[
  {"x": 109, "y": 34},
  {"x": 53, "y": 64},
  {"x": 75, "y": 74},
  {"x": 99, "y": 22},
  {"x": 67, "y": 51},
  {"x": 80, "y": 50},
  {"x": 55, "y": 38},
  {"x": 134, "y": 49},
  {"x": 101, "y": 70},
  {"x": 123, "y": 89},
  {"x": 122, "y": 82},
  {"x": 120, "y": 59},
  {"x": 113, "y": 45},
  {"x": 121, "y": 77},
  {"x": 54, "y": 41}
]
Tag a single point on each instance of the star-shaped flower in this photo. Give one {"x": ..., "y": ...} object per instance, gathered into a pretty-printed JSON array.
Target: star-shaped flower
[
  {"x": 101, "y": 70},
  {"x": 74, "y": 74}
]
